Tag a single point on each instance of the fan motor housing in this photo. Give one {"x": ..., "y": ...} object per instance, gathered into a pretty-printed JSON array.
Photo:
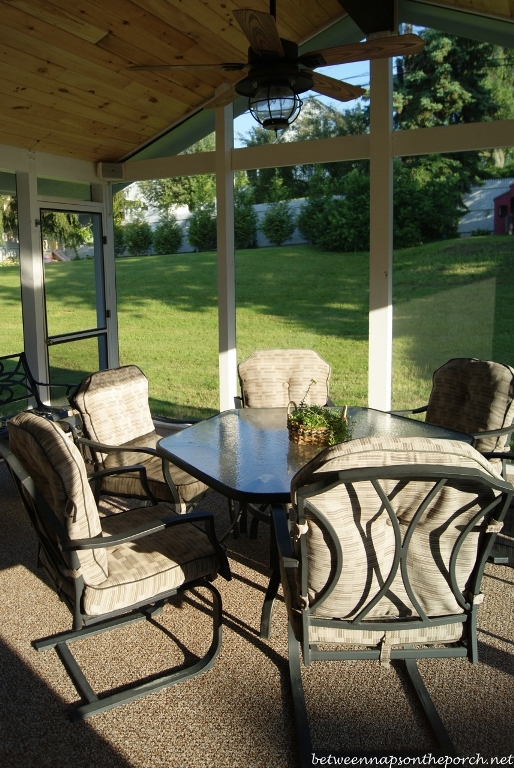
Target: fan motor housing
[
  {"x": 269, "y": 69},
  {"x": 258, "y": 77}
]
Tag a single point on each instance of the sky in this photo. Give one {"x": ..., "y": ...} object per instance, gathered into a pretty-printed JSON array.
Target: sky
[{"x": 356, "y": 73}]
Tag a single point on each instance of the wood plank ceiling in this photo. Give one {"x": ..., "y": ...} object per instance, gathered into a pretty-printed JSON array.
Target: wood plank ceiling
[{"x": 65, "y": 88}]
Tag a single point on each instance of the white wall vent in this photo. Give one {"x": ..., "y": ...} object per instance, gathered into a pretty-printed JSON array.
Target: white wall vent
[{"x": 110, "y": 171}]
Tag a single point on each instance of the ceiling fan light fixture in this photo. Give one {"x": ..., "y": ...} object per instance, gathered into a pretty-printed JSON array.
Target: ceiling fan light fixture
[{"x": 275, "y": 106}]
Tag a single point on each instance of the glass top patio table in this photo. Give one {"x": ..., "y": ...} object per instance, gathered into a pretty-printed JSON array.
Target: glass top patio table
[{"x": 246, "y": 454}]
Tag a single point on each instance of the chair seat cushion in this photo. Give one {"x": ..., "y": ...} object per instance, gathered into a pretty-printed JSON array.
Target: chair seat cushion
[
  {"x": 188, "y": 487},
  {"x": 151, "y": 565}
]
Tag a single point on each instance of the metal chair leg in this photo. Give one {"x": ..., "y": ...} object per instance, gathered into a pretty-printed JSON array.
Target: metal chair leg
[{"x": 93, "y": 704}]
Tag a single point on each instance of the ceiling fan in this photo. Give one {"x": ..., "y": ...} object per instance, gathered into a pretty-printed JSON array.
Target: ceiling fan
[{"x": 278, "y": 74}]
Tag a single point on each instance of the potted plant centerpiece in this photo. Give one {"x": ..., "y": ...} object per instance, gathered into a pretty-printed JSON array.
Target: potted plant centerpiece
[{"x": 317, "y": 424}]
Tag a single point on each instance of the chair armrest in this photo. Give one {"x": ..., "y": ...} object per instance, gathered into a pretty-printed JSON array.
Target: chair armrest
[
  {"x": 154, "y": 527},
  {"x": 69, "y": 387},
  {"x": 493, "y": 432},
  {"x": 498, "y": 454},
  {"x": 97, "y": 477},
  {"x": 105, "y": 448},
  {"x": 421, "y": 409},
  {"x": 283, "y": 537}
]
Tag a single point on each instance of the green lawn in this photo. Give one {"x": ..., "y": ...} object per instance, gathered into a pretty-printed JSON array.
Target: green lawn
[{"x": 451, "y": 298}]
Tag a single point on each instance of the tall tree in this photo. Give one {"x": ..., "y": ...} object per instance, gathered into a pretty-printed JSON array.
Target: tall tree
[
  {"x": 193, "y": 191},
  {"x": 454, "y": 80},
  {"x": 263, "y": 181},
  {"x": 9, "y": 216},
  {"x": 316, "y": 121},
  {"x": 124, "y": 206}
]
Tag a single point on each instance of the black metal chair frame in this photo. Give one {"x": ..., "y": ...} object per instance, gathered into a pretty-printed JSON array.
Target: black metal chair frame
[
  {"x": 17, "y": 384},
  {"x": 441, "y": 476},
  {"x": 85, "y": 626},
  {"x": 95, "y": 448}
]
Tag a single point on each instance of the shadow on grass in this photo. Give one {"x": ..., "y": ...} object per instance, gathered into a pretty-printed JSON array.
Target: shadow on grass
[
  {"x": 169, "y": 409},
  {"x": 323, "y": 292}
]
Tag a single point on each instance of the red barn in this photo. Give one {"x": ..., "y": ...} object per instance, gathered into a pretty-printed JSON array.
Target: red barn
[{"x": 504, "y": 213}]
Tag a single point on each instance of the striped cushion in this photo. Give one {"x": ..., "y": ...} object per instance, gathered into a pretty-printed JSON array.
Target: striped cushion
[
  {"x": 149, "y": 566},
  {"x": 113, "y": 405},
  {"x": 58, "y": 470},
  {"x": 271, "y": 378},
  {"x": 446, "y": 633},
  {"x": 473, "y": 395},
  {"x": 366, "y": 534}
]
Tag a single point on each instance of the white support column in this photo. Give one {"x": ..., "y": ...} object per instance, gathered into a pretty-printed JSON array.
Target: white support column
[
  {"x": 381, "y": 235},
  {"x": 31, "y": 270},
  {"x": 226, "y": 257}
]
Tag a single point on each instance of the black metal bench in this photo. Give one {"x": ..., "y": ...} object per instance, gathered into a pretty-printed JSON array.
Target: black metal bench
[{"x": 19, "y": 390}]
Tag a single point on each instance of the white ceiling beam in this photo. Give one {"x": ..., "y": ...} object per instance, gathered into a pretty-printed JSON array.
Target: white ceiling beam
[
  {"x": 45, "y": 164},
  {"x": 441, "y": 139},
  {"x": 301, "y": 152},
  {"x": 454, "y": 138},
  {"x": 167, "y": 167}
]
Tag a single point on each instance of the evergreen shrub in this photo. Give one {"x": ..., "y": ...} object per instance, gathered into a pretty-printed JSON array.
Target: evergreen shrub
[
  {"x": 245, "y": 221},
  {"x": 119, "y": 240},
  {"x": 138, "y": 237},
  {"x": 278, "y": 223},
  {"x": 167, "y": 236},
  {"x": 202, "y": 233}
]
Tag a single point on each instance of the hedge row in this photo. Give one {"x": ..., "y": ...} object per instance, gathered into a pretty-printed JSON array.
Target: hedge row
[{"x": 137, "y": 238}]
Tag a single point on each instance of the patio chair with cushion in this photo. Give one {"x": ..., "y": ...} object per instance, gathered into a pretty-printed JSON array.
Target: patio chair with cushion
[
  {"x": 111, "y": 571},
  {"x": 271, "y": 378},
  {"x": 473, "y": 396},
  {"x": 477, "y": 397},
  {"x": 118, "y": 429},
  {"x": 386, "y": 559}
]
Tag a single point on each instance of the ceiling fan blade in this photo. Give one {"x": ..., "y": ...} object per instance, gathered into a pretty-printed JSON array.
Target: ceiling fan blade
[
  {"x": 335, "y": 89},
  {"x": 227, "y": 67},
  {"x": 261, "y": 31},
  {"x": 223, "y": 99},
  {"x": 378, "y": 48}
]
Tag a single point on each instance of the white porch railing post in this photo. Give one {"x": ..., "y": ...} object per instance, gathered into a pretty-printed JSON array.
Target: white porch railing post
[
  {"x": 31, "y": 272},
  {"x": 381, "y": 236},
  {"x": 226, "y": 256}
]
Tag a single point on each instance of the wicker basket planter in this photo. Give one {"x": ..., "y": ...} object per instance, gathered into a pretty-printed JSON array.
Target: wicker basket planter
[{"x": 334, "y": 427}]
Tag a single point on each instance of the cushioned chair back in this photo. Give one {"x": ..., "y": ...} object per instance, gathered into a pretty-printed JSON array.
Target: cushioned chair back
[
  {"x": 58, "y": 471},
  {"x": 364, "y": 530},
  {"x": 271, "y": 378},
  {"x": 113, "y": 405},
  {"x": 473, "y": 395}
]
